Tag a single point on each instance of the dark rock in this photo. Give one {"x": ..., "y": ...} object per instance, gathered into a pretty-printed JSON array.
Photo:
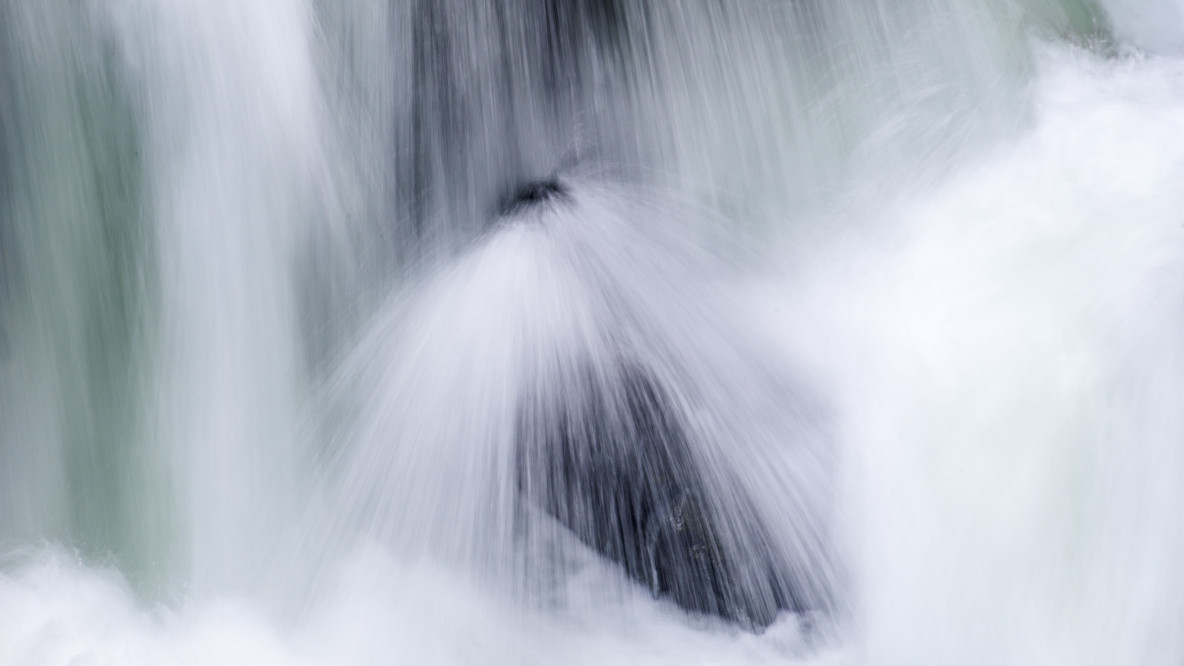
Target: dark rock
[
  {"x": 607, "y": 455},
  {"x": 533, "y": 194}
]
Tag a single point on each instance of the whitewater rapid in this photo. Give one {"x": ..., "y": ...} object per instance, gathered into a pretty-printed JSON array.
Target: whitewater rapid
[{"x": 1001, "y": 349}]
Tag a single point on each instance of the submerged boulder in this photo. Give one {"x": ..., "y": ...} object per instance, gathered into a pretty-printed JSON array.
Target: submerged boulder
[
  {"x": 604, "y": 440},
  {"x": 605, "y": 451}
]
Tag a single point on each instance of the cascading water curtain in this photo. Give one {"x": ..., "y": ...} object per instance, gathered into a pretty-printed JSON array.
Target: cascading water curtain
[{"x": 591, "y": 332}]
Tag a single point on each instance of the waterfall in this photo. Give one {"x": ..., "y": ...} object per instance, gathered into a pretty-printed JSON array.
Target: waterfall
[{"x": 591, "y": 331}]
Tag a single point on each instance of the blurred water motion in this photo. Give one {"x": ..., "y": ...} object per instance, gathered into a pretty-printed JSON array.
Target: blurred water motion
[{"x": 591, "y": 331}]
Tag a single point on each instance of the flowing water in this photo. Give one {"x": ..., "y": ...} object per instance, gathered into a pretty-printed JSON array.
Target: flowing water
[{"x": 591, "y": 332}]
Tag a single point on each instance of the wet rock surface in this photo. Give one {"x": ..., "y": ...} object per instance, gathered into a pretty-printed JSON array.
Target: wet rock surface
[{"x": 609, "y": 457}]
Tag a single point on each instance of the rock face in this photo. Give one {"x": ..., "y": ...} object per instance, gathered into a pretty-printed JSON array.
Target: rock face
[
  {"x": 533, "y": 194},
  {"x": 606, "y": 447},
  {"x": 608, "y": 456}
]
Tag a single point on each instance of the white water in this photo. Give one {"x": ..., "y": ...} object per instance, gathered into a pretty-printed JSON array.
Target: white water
[
  {"x": 1013, "y": 377},
  {"x": 999, "y": 347}
]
